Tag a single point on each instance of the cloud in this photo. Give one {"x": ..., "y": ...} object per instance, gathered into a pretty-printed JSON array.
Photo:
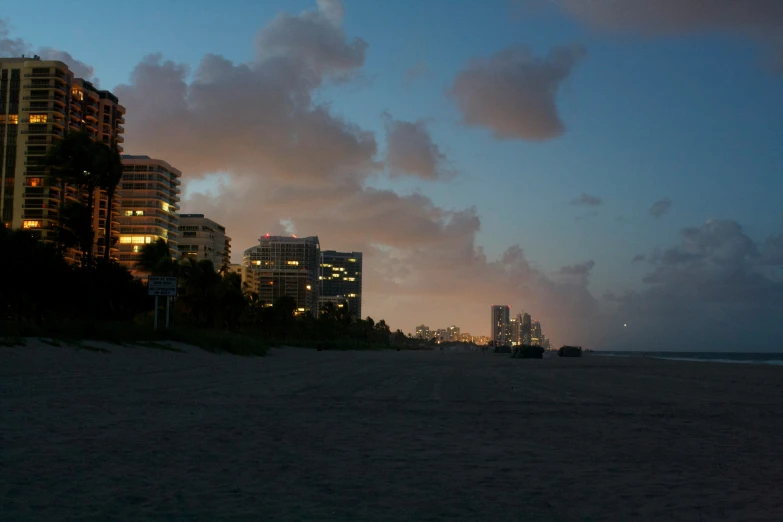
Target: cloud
[
  {"x": 638, "y": 257},
  {"x": 418, "y": 70},
  {"x": 287, "y": 162},
  {"x": 16, "y": 47},
  {"x": 578, "y": 274},
  {"x": 711, "y": 291},
  {"x": 759, "y": 20},
  {"x": 587, "y": 199},
  {"x": 660, "y": 207},
  {"x": 513, "y": 93},
  {"x": 410, "y": 150},
  {"x": 676, "y": 16}
]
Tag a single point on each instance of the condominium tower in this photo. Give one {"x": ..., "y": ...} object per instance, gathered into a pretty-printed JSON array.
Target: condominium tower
[
  {"x": 201, "y": 238},
  {"x": 149, "y": 194},
  {"x": 285, "y": 265},
  {"x": 500, "y": 323},
  {"x": 40, "y": 102},
  {"x": 341, "y": 279}
]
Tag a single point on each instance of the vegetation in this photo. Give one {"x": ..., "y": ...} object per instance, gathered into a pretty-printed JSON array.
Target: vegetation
[
  {"x": 46, "y": 296},
  {"x": 570, "y": 351}
]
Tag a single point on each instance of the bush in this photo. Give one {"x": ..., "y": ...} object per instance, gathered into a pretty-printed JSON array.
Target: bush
[
  {"x": 570, "y": 351},
  {"x": 528, "y": 352}
]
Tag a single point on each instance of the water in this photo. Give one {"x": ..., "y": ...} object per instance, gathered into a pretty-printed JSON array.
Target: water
[{"x": 719, "y": 357}]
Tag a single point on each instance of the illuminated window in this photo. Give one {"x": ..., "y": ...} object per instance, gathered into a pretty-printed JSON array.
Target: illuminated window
[
  {"x": 139, "y": 212},
  {"x": 31, "y": 224},
  {"x": 165, "y": 207},
  {"x": 13, "y": 119},
  {"x": 38, "y": 118},
  {"x": 77, "y": 94},
  {"x": 34, "y": 182},
  {"x": 308, "y": 287},
  {"x": 136, "y": 248},
  {"x": 128, "y": 212},
  {"x": 293, "y": 263},
  {"x": 148, "y": 240}
]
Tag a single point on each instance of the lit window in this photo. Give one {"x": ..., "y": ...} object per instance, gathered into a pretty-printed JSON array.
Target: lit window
[
  {"x": 136, "y": 248},
  {"x": 34, "y": 182},
  {"x": 77, "y": 94},
  {"x": 139, "y": 212},
  {"x": 148, "y": 240},
  {"x": 293, "y": 263},
  {"x": 128, "y": 212},
  {"x": 31, "y": 224},
  {"x": 308, "y": 287},
  {"x": 13, "y": 119},
  {"x": 38, "y": 118},
  {"x": 165, "y": 207}
]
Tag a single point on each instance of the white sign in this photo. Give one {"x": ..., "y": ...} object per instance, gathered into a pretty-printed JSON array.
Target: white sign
[{"x": 161, "y": 285}]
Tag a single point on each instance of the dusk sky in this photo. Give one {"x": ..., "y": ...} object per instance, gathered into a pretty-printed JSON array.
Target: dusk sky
[{"x": 592, "y": 165}]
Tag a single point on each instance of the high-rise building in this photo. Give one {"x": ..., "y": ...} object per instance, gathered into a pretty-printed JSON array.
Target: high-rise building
[
  {"x": 149, "y": 194},
  {"x": 341, "y": 277},
  {"x": 466, "y": 338},
  {"x": 500, "y": 324},
  {"x": 514, "y": 330},
  {"x": 201, "y": 238},
  {"x": 441, "y": 334},
  {"x": 40, "y": 102},
  {"x": 526, "y": 329},
  {"x": 423, "y": 332},
  {"x": 452, "y": 333},
  {"x": 285, "y": 265},
  {"x": 535, "y": 338}
]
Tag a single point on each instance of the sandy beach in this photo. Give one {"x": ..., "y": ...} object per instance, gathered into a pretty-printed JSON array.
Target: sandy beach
[{"x": 147, "y": 434}]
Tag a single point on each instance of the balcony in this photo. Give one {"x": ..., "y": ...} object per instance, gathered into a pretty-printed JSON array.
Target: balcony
[
  {"x": 120, "y": 129},
  {"x": 55, "y": 74},
  {"x": 119, "y": 139},
  {"x": 56, "y": 132},
  {"x": 120, "y": 119}
]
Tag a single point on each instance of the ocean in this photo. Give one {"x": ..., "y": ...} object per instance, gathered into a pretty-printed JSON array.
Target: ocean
[{"x": 718, "y": 357}]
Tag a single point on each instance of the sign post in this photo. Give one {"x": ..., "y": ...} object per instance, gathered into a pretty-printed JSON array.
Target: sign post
[{"x": 162, "y": 286}]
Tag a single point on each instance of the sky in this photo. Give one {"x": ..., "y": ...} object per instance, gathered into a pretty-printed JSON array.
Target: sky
[{"x": 615, "y": 172}]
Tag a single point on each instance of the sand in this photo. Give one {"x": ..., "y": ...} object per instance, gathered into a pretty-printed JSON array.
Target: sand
[{"x": 146, "y": 434}]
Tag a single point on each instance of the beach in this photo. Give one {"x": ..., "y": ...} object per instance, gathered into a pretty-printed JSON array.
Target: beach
[{"x": 141, "y": 433}]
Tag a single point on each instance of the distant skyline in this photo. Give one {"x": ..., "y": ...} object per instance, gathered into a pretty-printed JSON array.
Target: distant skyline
[{"x": 595, "y": 167}]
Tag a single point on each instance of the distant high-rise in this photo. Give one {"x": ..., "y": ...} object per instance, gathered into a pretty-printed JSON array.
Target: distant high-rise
[
  {"x": 149, "y": 195},
  {"x": 40, "y": 102},
  {"x": 201, "y": 238},
  {"x": 500, "y": 324},
  {"x": 285, "y": 265},
  {"x": 535, "y": 338},
  {"x": 341, "y": 278},
  {"x": 452, "y": 333},
  {"x": 526, "y": 329},
  {"x": 515, "y": 329},
  {"x": 423, "y": 332}
]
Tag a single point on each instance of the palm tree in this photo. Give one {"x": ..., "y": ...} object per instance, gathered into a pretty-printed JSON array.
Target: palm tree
[
  {"x": 156, "y": 259},
  {"x": 109, "y": 169},
  {"x": 69, "y": 162}
]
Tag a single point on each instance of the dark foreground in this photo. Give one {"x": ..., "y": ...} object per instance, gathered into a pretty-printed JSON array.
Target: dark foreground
[{"x": 140, "y": 434}]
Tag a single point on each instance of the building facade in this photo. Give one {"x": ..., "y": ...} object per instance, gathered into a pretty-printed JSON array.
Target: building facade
[
  {"x": 535, "y": 338},
  {"x": 149, "y": 206},
  {"x": 40, "y": 102},
  {"x": 341, "y": 276},
  {"x": 285, "y": 265},
  {"x": 527, "y": 329},
  {"x": 500, "y": 324},
  {"x": 201, "y": 238},
  {"x": 423, "y": 332},
  {"x": 514, "y": 330},
  {"x": 452, "y": 333}
]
